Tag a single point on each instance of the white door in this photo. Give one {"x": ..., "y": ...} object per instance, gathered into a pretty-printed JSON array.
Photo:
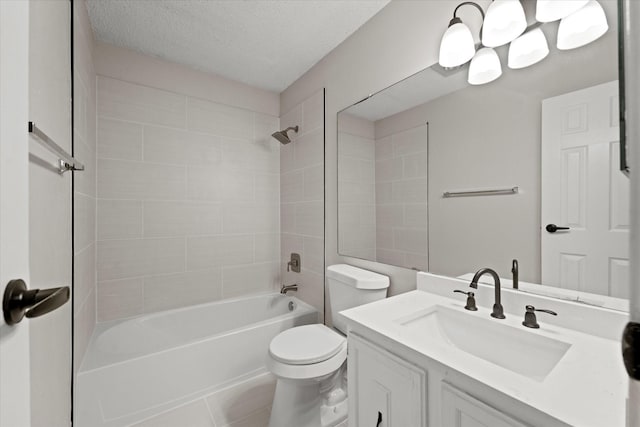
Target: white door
[
  {"x": 583, "y": 189},
  {"x": 15, "y": 402}
]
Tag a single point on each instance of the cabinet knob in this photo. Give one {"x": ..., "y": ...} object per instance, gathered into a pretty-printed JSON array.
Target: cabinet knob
[{"x": 379, "y": 423}]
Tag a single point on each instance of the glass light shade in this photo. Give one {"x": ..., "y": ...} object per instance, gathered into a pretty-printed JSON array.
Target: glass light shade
[
  {"x": 457, "y": 46},
  {"x": 529, "y": 48},
  {"x": 485, "y": 67},
  {"x": 582, "y": 27},
  {"x": 504, "y": 21},
  {"x": 552, "y": 10}
]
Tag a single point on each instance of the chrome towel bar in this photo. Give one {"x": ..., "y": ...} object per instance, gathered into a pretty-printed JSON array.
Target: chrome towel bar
[
  {"x": 66, "y": 162},
  {"x": 499, "y": 191}
]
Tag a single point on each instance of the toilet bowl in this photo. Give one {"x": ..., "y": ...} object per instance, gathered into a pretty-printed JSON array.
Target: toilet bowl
[{"x": 310, "y": 361}]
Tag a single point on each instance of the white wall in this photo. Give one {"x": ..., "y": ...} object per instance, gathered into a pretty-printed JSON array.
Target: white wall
[
  {"x": 400, "y": 40},
  {"x": 50, "y": 249},
  {"x": 381, "y": 53},
  {"x": 188, "y": 186},
  {"x": 302, "y": 198}
]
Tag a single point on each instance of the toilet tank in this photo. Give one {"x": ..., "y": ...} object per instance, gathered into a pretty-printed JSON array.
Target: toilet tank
[{"x": 351, "y": 286}]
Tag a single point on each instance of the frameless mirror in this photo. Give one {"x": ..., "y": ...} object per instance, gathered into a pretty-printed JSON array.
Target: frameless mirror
[{"x": 441, "y": 176}]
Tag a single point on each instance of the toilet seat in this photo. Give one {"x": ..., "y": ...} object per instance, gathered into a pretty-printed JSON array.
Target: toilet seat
[
  {"x": 285, "y": 356},
  {"x": 306, "y": 345}
]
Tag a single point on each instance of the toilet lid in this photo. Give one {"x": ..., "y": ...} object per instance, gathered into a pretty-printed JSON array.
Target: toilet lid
[{"x": 304, "y": 345}]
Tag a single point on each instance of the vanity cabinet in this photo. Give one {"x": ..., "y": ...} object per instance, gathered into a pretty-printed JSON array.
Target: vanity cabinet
[
  {"x": 384, "y": 390},
  {"x": 459, "y": 409}
]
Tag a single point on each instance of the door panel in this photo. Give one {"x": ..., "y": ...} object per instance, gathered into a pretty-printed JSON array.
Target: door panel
[
  {"x": 583, "y": 189},
  {"x": 15, "y": 407},
  {"x": 50, "y": 209}
]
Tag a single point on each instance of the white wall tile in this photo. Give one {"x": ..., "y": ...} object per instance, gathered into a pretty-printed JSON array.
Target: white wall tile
[
  {"x": 172, "y": 146},
  {"x": 415, "y": 216},
  {"x": 216, "y": 251},
  {"x": 220, "y": 184},
  {"x": 313, "y": 112},
  {"x": 182, "y": 289},
  {"x": 310, "y": 219},
  {"x": 218, "y": 119},
  {"x": 309, "y": 149},
  {"x": 249, "y": 217},
  {"x": 410, "y": 141},
  {"x": 389, "y": 169},
  {"x": 120, "y": 298},
  {"x": 119, "y": 219},
  {"x": 119, "y": 140},
  {"x": 139, "y": 257},
  {"x": 410, "y": 191},
  {"x": 264, "y": 126},
  {"x": 84, "y": 275},
  {"x": 84, "y": 221},
  {"x": 313, "y": 254},
  {"x": 410, "y": 240},
  {"x": 292, "y": 186},
  {"x": 288, "y": 217},
  {"x": 130, "y": 102},
  {"x": 119, "y": 179},
  {"x": 85, "y": 182},
  {"x": 314, "y": 183},
  {"x": 267, "y": 247},
  {"x": 251, "y": 278},
  {"x": 267, "y": 187},
  {"x": 415, "y": 165},
  {"x": 173, "y": 219}
]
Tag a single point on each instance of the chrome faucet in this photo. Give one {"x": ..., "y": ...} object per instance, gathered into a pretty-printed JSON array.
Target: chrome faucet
[
  {"x": 498, "y": 311},
  {"x": 286, "y": 288}
]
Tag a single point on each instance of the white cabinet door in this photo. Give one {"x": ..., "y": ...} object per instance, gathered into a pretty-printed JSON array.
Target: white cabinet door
[
  {"x": 461, "y": 410},
  {"x": 384, "y": 390}
]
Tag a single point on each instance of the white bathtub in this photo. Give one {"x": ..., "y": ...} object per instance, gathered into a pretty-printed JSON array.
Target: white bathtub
[{"x": 137, "y": 367}]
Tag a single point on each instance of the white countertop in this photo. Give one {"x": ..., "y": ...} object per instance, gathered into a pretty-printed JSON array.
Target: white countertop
[{"x": 588, "y": 386}]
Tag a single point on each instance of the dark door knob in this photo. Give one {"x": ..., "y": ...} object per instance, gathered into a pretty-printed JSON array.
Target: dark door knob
[
  {"x": 552, "y": 228},
  {"x": 18, "y": 302}
]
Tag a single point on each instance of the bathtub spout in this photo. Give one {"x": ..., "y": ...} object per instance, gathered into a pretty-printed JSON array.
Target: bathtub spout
[{"x": 286, "y": 288}]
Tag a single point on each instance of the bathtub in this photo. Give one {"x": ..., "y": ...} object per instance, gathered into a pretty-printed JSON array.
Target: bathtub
[{"x": 138, "y": 367}]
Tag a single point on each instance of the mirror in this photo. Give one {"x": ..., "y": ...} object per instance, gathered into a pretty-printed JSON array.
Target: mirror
[{"x": 441, "y": 176}]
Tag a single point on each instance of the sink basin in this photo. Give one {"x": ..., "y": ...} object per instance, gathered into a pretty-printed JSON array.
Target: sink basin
[{"x": 514, "y": 348}]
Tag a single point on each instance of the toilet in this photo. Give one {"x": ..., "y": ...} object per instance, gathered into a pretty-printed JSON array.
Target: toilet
[{"x": 310, "y": 361}]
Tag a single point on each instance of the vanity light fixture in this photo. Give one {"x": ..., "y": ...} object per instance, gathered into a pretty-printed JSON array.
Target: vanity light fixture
[
  {"x": 552, "y": 10},
  {"x": 582, "y": 27},
  {"x": 485, "y": 67},
  {"x": 457, "y": 46},
  {"x": 504, "y": 22},
  {"x": 582, "y": 21},
  {"x": 528, "y": 49}
]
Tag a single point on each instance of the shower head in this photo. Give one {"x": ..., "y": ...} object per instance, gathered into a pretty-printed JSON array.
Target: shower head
[{"x": 282, "y": 136}]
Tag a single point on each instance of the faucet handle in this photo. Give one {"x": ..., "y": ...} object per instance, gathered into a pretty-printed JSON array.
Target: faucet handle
[
  {"x": 530, "y": 320},
  {"x": 471, "y": 300}
]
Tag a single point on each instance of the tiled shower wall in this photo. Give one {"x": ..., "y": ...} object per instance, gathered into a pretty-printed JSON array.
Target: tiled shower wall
[
  {"x": 188, "y": 200},
  {"x": 84, "y": 111},
  {"x": 302, "y": 199},
  {"x": 401, "y": 198},
  {"x": 356, "y": 183}
]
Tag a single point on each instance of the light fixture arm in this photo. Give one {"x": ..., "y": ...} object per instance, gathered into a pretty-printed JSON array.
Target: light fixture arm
[{"x": 456, "y": 20}]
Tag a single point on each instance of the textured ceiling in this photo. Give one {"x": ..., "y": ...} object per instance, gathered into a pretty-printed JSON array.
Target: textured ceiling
[{"x": 264, "y": 43}]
